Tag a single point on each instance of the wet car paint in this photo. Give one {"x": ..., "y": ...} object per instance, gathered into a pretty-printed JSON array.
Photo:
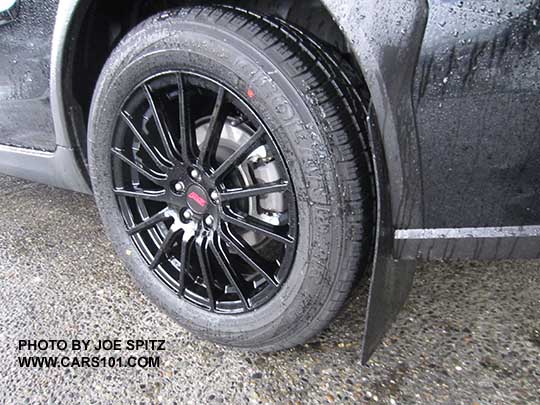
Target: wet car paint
[
  {"x": 477, "y": 98},
  {"x": 25, "y": 49}
]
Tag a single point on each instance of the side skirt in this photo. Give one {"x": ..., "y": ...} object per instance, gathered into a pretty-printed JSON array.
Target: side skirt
[
  {"x": 57, "y": 169},
  {"x": 496, "y": 243}
]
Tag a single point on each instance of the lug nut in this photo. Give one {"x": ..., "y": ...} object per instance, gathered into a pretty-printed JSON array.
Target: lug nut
[
  {"x": 195, "y": 174},
  {"x": 187, "y": 214},
  {"x": 214, "y": 195},
  {"x": 209, "y": 220},
  {"x": 179, "y": 187}
]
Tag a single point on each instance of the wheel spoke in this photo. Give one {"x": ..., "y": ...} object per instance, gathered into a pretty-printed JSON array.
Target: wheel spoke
[
  {"x": 225, "y": 264},
  {"x": 138, "y": 167},
  {"x": 150, "y": 222},
  {"x": 248, "y": 255},
  {"x": 150, "y": 150},
  {"x": 168, "y": 143},
  {"x": 187, "y": 238},
  {"x": 166, "y": 245},
  {"x": 215, "y": 126},
  {"x": 257, "y": 226},
  {"x": 145, "y": 195},
  {"x": 201, "y": 246},
  {"x": 184, "y": 122},
  {"x": 254, "y": 191},
  {"x": 239, "y": 155}
]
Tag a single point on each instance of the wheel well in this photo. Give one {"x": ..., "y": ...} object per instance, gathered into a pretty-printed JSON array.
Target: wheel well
[{"x": 98, "y": 25}]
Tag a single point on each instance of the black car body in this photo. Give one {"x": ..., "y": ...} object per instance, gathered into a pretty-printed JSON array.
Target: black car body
[{"x": 453, "y": 118}]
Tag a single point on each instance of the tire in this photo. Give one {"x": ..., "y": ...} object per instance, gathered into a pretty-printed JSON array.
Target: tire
[{"x": 313, "y": 124}]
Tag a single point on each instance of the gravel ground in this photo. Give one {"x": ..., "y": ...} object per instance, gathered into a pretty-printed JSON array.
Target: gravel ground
[{"x": 470, "y": 332}]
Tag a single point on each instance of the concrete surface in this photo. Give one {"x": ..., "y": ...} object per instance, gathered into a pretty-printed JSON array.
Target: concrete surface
[{"x": 469, "y": 334}]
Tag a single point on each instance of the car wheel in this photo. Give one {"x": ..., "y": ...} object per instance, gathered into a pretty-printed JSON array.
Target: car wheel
[{"x": 228, "y": 164}]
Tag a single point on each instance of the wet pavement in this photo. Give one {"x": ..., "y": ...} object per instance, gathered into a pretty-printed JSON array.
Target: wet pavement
[{"x": 470, "y": 332}]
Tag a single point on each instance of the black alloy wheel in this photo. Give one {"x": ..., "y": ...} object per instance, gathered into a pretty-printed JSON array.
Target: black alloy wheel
[
  {"x": 229, "y": 166},
  {"x": 204, "y": 192}
]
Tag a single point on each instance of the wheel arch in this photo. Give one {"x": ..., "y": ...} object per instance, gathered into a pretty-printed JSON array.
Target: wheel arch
[
  {"x": 71, "y": 91},
  {"x": 385, "y": 56}
]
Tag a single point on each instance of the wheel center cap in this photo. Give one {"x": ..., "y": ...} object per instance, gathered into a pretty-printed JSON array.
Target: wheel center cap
[{"x": 197, "y": 199}]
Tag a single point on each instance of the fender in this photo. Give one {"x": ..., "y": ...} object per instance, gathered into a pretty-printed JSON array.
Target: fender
[{"x": 385, "y": 40}]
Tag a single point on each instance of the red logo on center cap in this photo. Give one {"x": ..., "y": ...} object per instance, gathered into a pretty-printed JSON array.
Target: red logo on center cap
[{"x": 197, "y": 198}]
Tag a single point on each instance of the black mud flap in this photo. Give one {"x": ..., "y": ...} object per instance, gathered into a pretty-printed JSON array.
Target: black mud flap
[
  {"x": 391, "y": 283},
  {"x": 391, "y": 280}
]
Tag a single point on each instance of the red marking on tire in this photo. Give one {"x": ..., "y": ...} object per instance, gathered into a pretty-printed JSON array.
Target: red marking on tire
[{"x": 250, "y": 93}]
